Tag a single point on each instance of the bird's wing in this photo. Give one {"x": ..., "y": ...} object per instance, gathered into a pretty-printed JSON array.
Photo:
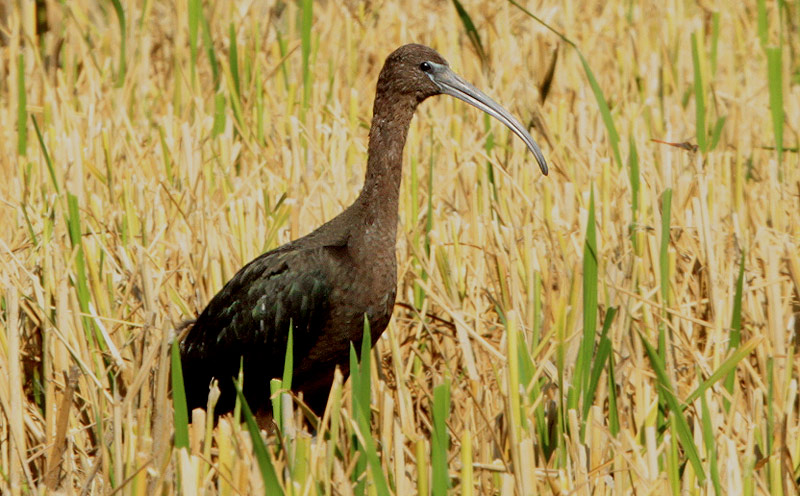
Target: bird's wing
[{"x": 249, "y": 320}]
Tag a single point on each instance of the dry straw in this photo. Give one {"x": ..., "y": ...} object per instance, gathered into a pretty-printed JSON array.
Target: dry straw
[{"x": 626, "y": 325}]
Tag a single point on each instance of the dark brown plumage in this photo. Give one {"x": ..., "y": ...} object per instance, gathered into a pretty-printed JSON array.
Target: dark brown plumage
[{"x": 326, "y": 281}]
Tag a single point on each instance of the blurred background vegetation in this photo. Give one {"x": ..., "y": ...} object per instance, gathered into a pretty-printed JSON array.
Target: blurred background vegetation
[{"x": 626, "y": 325}]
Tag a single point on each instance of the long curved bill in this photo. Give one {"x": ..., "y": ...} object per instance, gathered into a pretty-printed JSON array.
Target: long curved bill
[{"x": 452, "y": 84}]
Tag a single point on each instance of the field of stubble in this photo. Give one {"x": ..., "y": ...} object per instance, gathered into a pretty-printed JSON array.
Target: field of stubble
[{"x": 626, "y": 325}]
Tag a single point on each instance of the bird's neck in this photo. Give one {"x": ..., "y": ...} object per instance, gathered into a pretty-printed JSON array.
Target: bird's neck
[{"x": 387, "y": 138}]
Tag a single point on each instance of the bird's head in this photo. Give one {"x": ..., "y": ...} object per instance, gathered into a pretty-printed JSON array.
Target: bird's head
[
  {"x": 408, "y": 71},
  {"x": 418, "y": 72}
]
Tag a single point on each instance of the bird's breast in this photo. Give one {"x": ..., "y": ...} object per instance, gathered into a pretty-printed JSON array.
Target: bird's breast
[{"x": 366, "y": 287}]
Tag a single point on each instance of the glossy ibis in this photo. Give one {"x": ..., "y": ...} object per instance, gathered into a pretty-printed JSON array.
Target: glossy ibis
[{"x": 327, "y": 281}]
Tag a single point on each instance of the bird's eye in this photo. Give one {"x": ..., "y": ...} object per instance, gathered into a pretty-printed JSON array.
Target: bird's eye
[{"x": 426, "y": 67}]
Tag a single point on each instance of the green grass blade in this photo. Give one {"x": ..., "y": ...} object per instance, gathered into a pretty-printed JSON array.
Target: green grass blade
[
  {"x": 275, "y": 388},
  {"x": 440, "y": 440},
  {"x": 527, "y": 368},
  {"x": 355, "y": 377},
  {"x": 736, "y": 325},
  {"x": 673, "y": 465},
  {"x": 605, "y": 111},
  {"x": 107, "y": 159},
  {"x": 716, "y": 133},
  {"x": 355, "y": 399},
  {"x": 234, "y": 83},
  {"x": 663, "y": 264},
  {"x": 374, "y": 463},
  {"x": 288, "y": 361},
  {"x": 586, "y": 350},
  {"x": 601, "y": 356},
  {"x": 22, "y": 108},
  {"x": 663, "y": 256},
  {"x": 513, "y": 351},
  {"x": 711, "y": 448},
  {"x": 360, "y": 380},
  {"x": 208, "y": 42},
  {"x": 181, "y": 414},
  {"x": 50, "y": 168},
  {"x": 219, "y": 115},
  {"x": 233, "y": 61},
  {"x": 472, "y": 33},
  {"x": 728, "y": 366},
  {"x": 122, "y": 36},
  {"x": 81, "y": 282},
  {"x": 237, "y": 406},
  {"x": 679, "y": 422},
  {"x": 268, "y": 474},
  {"x": 699, "y": 98},
  {"x": 29, "y": 225},
  {"x": 284, "y": 50},
  {"x": 775, "y": 76},
  {"x": 194, "y": 9},
  {"x": 613, "y": 412},
  {"x": 563, "y": 399},
  {"x": 489, "y": 146},
  {"x": 364, "y": 367},
  {"x": 165, "y": 154},
  {"x": 762, "y": 22},
  {"x": 633, "y": 167},
  {"x": 335, "y": 426}
]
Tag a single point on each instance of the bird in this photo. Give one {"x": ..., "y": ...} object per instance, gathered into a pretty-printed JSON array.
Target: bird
[{"x": 325, "y": 283}]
